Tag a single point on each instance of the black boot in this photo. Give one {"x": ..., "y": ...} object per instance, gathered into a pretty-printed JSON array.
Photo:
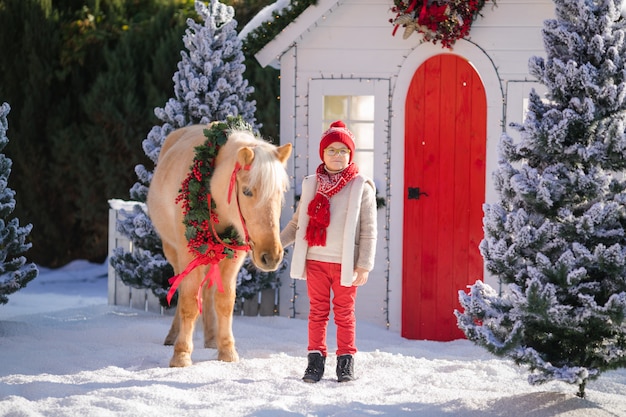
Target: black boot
[
  {"x": 315, "y": 370},
  {"x": 345, "y": 368}
]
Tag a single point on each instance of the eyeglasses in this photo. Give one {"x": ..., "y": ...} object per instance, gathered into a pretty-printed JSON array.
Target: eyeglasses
[{"x": 333, "y": 151}]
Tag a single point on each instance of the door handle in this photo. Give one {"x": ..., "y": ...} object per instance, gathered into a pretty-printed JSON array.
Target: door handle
[{"x": 414, "y": 193}]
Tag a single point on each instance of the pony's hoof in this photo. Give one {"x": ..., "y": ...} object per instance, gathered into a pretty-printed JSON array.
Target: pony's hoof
[
  {"x": 180, "y": 360},
  {"x": 228, "y": 356}
]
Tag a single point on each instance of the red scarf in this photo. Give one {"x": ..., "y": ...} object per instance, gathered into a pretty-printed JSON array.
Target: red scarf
[{"x": 319, "y": 208}]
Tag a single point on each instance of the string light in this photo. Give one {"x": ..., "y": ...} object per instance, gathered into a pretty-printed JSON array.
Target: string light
[{"x": 294, "y": 288}]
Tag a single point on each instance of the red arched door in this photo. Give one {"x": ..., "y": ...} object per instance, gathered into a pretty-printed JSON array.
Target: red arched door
[{"x": 444, "y": 176}]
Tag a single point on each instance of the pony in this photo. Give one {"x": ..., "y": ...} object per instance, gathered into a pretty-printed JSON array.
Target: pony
[{"x": 247, "y": 186}]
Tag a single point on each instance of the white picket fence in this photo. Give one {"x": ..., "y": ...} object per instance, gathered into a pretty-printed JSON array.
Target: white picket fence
[
  {"x": 266, "y": 304},
  {"x": 120, "y": 293}
]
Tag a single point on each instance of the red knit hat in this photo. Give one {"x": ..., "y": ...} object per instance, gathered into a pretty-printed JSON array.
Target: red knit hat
[{"x": 337, "y": 133}]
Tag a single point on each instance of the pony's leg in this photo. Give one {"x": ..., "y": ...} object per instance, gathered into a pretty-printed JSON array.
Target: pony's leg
[
  {"x": 224, "y": 305},
  {"x": 174, "y": 329},
  {"x": 170, "y": 254},
  {"x": 208, "y": 317},
  {"x": 186, "y": 315}
]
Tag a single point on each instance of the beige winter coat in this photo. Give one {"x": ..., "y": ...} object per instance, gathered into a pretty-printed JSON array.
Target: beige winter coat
[{"x": 359, "y": 231}]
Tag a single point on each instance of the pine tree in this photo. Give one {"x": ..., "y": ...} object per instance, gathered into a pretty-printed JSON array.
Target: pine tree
[
  {"x": 14, "y": 272},
  {"x": 557, "y": 237},
  {"x": 208, "y": 86}
]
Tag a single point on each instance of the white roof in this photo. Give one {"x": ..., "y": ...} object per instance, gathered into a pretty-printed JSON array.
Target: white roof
[{"x": 271, "y": 52}]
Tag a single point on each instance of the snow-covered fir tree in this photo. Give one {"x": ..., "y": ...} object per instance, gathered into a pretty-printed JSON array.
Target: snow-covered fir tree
[
  {"x": 251, "y": 280},
  {"x": 557, "y": 238},
  {"x": 15, "y": 273},
  {"x": 208, "y": 86}
]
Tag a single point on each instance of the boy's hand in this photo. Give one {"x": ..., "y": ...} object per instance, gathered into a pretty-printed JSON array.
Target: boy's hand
[{"x": 361, "y": 276}]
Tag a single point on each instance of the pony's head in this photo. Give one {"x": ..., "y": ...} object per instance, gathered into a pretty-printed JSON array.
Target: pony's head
[{"x": 257, "y": 185}]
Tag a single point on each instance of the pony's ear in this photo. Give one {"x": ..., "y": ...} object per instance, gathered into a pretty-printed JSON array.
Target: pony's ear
[
  {"x": 283, "y": 152},
  {"x": 245, "y": 156}
]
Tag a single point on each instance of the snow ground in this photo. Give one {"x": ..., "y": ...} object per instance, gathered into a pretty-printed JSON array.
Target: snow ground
[{"x": 65, "y": 352}]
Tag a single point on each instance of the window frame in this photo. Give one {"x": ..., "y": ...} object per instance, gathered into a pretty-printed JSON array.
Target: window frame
[{"x": 379, "y": 88}]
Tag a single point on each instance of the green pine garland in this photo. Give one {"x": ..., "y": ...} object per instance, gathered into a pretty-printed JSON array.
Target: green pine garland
[{"x": 268, "y": 30}]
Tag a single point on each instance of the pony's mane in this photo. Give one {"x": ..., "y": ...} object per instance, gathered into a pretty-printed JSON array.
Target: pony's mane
[{"x": 267, "y": 173}]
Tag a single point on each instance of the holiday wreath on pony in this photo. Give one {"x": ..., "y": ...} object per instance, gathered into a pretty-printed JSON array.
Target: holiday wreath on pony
[{"x": 207, "y": 246}]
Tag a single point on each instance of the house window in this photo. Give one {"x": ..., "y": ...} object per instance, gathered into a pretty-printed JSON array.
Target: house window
[
  {"x": 357, "y": 112},
  {"x": 363, "y": 105}
]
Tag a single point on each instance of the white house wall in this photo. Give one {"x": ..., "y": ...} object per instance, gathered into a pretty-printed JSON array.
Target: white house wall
[{"x": 353, "y": 40}]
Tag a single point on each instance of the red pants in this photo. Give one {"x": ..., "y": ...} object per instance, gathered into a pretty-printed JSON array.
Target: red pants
[{"x": 321, "y": 278}]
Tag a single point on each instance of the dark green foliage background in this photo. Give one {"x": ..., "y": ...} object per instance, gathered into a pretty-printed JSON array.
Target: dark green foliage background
[{"x": 82, "y": 79}]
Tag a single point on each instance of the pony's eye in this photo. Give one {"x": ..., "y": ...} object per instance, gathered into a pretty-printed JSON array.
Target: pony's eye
[{"x": 247, "y": 192}]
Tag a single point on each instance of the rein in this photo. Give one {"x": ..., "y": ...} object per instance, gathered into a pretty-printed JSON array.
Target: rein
[
  {"x": 231, "y": 185},
  {"x": 211, "y": 256}
]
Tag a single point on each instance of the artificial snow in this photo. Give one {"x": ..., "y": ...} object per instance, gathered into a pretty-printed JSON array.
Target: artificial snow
[
  {"x": 266, "y": 14},
  {"x": 65, "y": 352}
]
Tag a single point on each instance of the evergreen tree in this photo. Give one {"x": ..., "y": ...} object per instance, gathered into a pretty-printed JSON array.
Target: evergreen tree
[
  {"x": 208, "y": 86},
  {"x": 557, "y": 237},
  {"x": 82, "y": 79},
  {"x": 14, "y": 274}
]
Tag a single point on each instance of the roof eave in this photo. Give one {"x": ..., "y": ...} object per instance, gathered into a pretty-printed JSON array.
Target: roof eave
[{"x": 270, "y": 54}]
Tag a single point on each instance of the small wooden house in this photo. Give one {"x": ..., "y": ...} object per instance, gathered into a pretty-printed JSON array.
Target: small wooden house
[{"x": 428, "y": 121}]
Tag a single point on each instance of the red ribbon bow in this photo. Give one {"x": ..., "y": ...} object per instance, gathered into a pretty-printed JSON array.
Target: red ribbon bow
[{"x": 213, "y": 277}]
